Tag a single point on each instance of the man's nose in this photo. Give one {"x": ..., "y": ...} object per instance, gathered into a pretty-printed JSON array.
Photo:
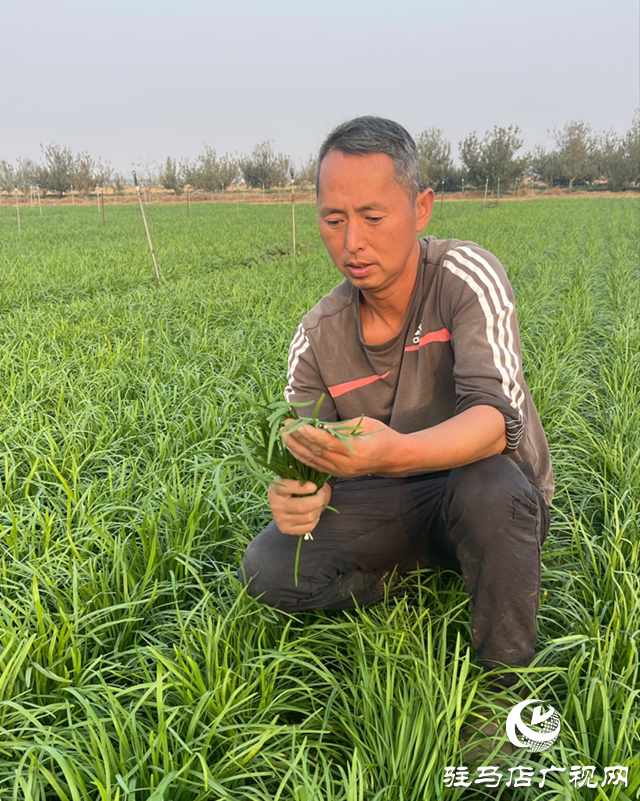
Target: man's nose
[{"x": 354, "y": 236}]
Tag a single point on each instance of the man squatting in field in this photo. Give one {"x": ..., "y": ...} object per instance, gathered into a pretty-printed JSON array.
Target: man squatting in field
[{"x": 454, "y": 468}]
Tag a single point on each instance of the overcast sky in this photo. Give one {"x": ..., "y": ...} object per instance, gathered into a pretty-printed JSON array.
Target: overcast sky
[{"x": 130, "y": 80}]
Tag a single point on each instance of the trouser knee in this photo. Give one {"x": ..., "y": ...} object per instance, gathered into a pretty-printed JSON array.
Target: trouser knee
[
  {"x": 261, "y": 574},
  {"x": 497, "y": 521},
  {"x": 494, "y": 498}
]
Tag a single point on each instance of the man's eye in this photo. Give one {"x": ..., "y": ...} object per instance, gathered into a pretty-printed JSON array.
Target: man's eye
[
  {"x": 374, "y": 219},
  {"x": 333, "y": 223}
]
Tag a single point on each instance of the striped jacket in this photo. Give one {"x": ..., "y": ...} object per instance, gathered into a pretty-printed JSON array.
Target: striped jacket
[{"x": 459, "y": 348}]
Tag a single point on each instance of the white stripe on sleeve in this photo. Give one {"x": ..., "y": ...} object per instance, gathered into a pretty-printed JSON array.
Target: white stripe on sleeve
[
  {"x": 507, "y": 343},
  {"x": 299, "y": 345},
  {"x": 497, "y": 329}
]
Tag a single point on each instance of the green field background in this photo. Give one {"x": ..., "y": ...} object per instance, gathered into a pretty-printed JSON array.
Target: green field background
[{"x": 133, "y": 666}]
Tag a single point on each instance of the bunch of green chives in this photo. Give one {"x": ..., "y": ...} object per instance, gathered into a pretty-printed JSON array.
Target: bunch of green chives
[
  {"x": 268, "y": 449},
  {"x": 265, "y": 455}
]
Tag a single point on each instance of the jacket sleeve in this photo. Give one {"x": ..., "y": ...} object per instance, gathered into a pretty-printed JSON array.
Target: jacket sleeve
[
  {"x": 304, "y": 383},
  {"x": 484, "y": 337}
]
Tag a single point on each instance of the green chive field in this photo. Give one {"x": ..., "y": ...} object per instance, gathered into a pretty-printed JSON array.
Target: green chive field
[{"x": 133, "y": 667}]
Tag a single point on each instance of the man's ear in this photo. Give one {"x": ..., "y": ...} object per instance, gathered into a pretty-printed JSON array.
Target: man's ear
[{"x": 424, "y": 207}]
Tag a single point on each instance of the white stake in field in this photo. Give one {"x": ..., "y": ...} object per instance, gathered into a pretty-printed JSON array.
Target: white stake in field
[
  {"x": 293, "y": 212},
  {"x": 146, "y": 227}
]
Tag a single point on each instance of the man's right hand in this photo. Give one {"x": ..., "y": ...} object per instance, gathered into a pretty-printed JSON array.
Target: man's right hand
[{"x": 294, "y": 515}]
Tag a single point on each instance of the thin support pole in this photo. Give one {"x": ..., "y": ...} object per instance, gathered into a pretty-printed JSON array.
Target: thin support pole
[
  {"x": 188, "y": 200},
  {"x": 18, "y": 211},
  {"x": 146, "y": 227},
  {"x": 498, "y": 195},
  {"x": 441, "y": 198},
  {"x": 39, "y": 201},
  {"x": 463, "y": 195},
  {"x": 293, "y": 217},
  {"x": 31, "y": 195},
  {"x": 73, "y": 199},
  {"x": 486, "y": 189},
  {"x": 102, "y": 205}
]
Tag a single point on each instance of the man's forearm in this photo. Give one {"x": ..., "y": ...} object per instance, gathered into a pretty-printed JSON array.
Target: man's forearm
[
  {"x": 472, "y": 435},
  {"x": 475, "y": 434}
]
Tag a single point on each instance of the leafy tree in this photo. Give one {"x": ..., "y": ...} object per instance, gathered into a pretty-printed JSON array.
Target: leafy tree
[
  {"x": 306, "y": 174},
  {"x": 56, "y": 174},
  {"x": 576, "y": 152},
  {"x": 119, "y": 183},
  {"x": 84, "y": 178},
  {"x": 544, "y": 165},
  {"x": 189, "y": 174},
  {"x": 618, "y": 157},
  {"x": 455, "y": 178},
  {"x": 103, "y": 173},
  {"x": 434, "y": 154},
  {"x": 610, "y": 159},
  {"x": 264, "y": 167},
  {"x": 169, "y": 177},
  {"x": 227, "y": 171},
  {"x": 209, "y": 172},
  {"x": 7, "y": 176},
  {"x": 26, "y": 175},
  {"x": 632, "y": 146},
  {"x": 494, "y": 156}
]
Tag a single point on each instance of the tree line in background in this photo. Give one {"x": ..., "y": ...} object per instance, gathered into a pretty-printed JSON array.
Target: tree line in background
[{"x": 580, "y": 157}]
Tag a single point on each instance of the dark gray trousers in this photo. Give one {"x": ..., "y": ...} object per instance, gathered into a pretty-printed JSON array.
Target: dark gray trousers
[{"x": 486, "y": 520}]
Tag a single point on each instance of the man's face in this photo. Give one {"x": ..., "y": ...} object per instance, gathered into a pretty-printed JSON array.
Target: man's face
[{"x": 367, "y": 221}]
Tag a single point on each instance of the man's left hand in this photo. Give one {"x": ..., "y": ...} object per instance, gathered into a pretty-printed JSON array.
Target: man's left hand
[{"x": 372, "y": 449}]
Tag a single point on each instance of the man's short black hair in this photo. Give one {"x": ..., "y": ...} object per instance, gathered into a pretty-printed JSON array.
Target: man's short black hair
[{"x": 363, "y": 136}]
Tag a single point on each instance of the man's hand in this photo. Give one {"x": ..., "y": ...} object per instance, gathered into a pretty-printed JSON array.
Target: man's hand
[
  {"x": 297, "y": 515},
  {"x": 326, "y": 453},
  {"x": 474, "y": 434}
]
